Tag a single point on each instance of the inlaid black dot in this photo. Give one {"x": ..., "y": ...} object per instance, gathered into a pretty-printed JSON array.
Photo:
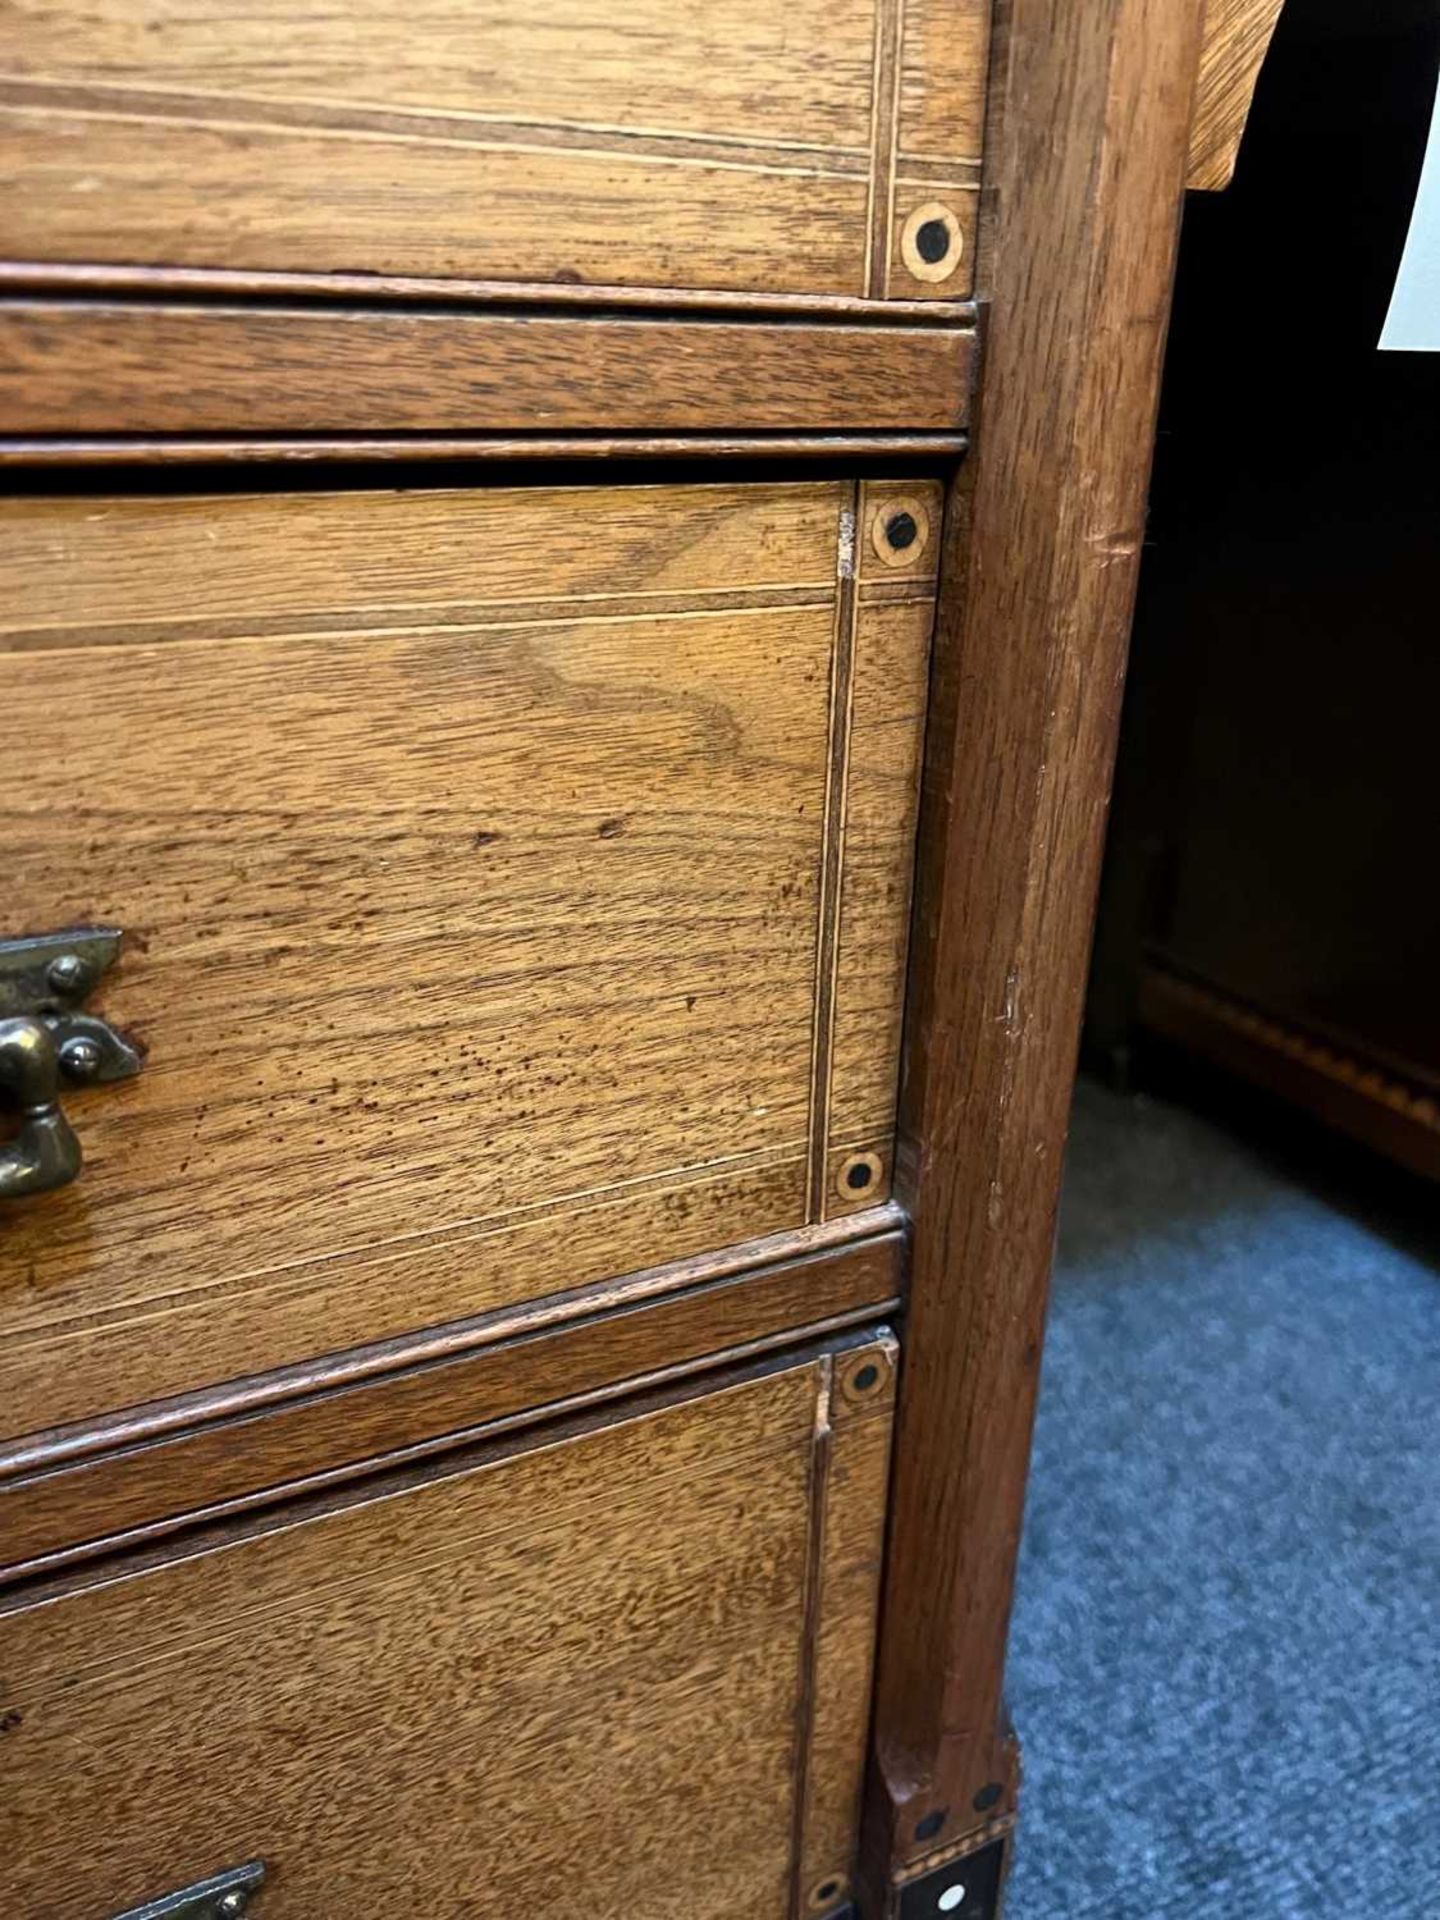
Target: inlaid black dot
[
  {"x": 858, "y": 1177},
  {"x": 927, "y": 1828},
  {"x": 901, "y": 531},
  {"x": 987, "y": 1797},
  {"x": 866, "y": 1378},
  {"x": 932, "y": 241}
]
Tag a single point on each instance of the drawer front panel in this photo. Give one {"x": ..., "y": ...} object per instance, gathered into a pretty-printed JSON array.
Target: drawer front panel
[
  {"x": 515, "y": 887},
  {"x": 622, "y": 1672},
  {"x": 732, "y": 147}
]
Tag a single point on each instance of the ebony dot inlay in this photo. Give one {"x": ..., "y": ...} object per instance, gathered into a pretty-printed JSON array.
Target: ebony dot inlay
[{"x": 932, "y": 241}]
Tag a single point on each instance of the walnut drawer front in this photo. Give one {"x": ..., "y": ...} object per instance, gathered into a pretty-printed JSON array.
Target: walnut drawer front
[
  {"x": 623, "y": 1669},
  {"x": 515, "y": 888},
  {"x": 735, "y": 147}
]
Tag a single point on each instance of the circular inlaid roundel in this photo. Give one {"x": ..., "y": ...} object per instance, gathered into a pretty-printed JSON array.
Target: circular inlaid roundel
[
  {"x": 860, "y": 1176},
  {"x": 900, "y": 530},
  {"x": 932, "y": 242}
]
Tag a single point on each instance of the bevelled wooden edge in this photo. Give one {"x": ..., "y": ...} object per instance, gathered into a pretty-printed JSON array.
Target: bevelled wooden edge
[
  {"x": 153, "y": 368},
  {"x": 146, "y": 1480},
  {"x": 39, "y": 276},
  {"x": 55, "y": 1446},
  {"x": 824, "y": 1348},
  {"x": 203, "y": 450}
]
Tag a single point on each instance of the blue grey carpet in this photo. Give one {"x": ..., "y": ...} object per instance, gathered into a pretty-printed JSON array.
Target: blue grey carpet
[{"x": 1225, "y": 1659}]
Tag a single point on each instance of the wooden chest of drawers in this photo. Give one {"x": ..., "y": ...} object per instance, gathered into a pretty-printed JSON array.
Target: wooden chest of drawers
[{"x": 549, "y": 839}]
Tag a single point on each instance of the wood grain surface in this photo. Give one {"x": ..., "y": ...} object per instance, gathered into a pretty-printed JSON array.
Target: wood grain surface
[
  {"x": 31, "y": 454},
  {"x": 83, "y": 367},
  {"x": 1237, "y": 36},
  {"x": 730, "y": 147},
  {"x": 1043, "y": 547},
  {"x": 148, "y": 1480},
  {"x": 874, "y": 845},
  {"x": 439, "y": 1695},
  {"x": 489, "y": 920},
  {"x": 851, "y": 1481}
]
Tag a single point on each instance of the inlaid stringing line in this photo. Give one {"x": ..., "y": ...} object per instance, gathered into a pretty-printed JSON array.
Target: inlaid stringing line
[{"x": 832, "y": 856}]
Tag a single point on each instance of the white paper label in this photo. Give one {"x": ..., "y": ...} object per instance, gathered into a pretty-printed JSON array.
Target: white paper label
[{"x": 1413, "y": 322}]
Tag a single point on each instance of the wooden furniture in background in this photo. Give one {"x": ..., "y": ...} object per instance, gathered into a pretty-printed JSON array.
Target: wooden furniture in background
[
  {"x": 1265, "y": 907},
  {"x": 447, "y": 1419}
]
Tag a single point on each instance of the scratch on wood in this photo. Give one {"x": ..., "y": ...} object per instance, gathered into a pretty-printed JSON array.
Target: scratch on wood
[{"x": 1113, "y": 547}]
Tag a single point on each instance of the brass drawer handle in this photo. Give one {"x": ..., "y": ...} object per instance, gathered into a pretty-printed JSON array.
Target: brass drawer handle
[
  {"x": 224, "y": 1896},
  {"x": 46, "y": 1152},
  {"x": 46, "y": 1041}
]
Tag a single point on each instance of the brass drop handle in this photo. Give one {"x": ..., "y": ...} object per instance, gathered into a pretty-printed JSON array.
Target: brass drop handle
[
  {"x": 45, "y": 1154},
  {"x": 46, "y": 1041}
]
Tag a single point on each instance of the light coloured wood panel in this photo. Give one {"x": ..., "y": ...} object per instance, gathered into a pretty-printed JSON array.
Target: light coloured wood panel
[
  {"x": 937, "y": 145},
  {"x": 650, "y": 69},
  {"x": 944, "y": 52},
  {"x": 142, "y": 567},
  {"x": 439, "y": 1697},
  {"x": 470, "y": 848},
  {"x": 64, "y": 1367},
  {"x": 855, "y": 1468},
  {"x": 291, "y": 200},
  {"x": 1236, "y": 39},
  {"x": 729, "y": 148},
  {"x": 883, "y": 748},
  {"x": 77, "y": 367}
]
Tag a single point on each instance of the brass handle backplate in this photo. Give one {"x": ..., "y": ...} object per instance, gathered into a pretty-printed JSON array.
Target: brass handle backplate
[{"x": 47, "y": 1043}]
